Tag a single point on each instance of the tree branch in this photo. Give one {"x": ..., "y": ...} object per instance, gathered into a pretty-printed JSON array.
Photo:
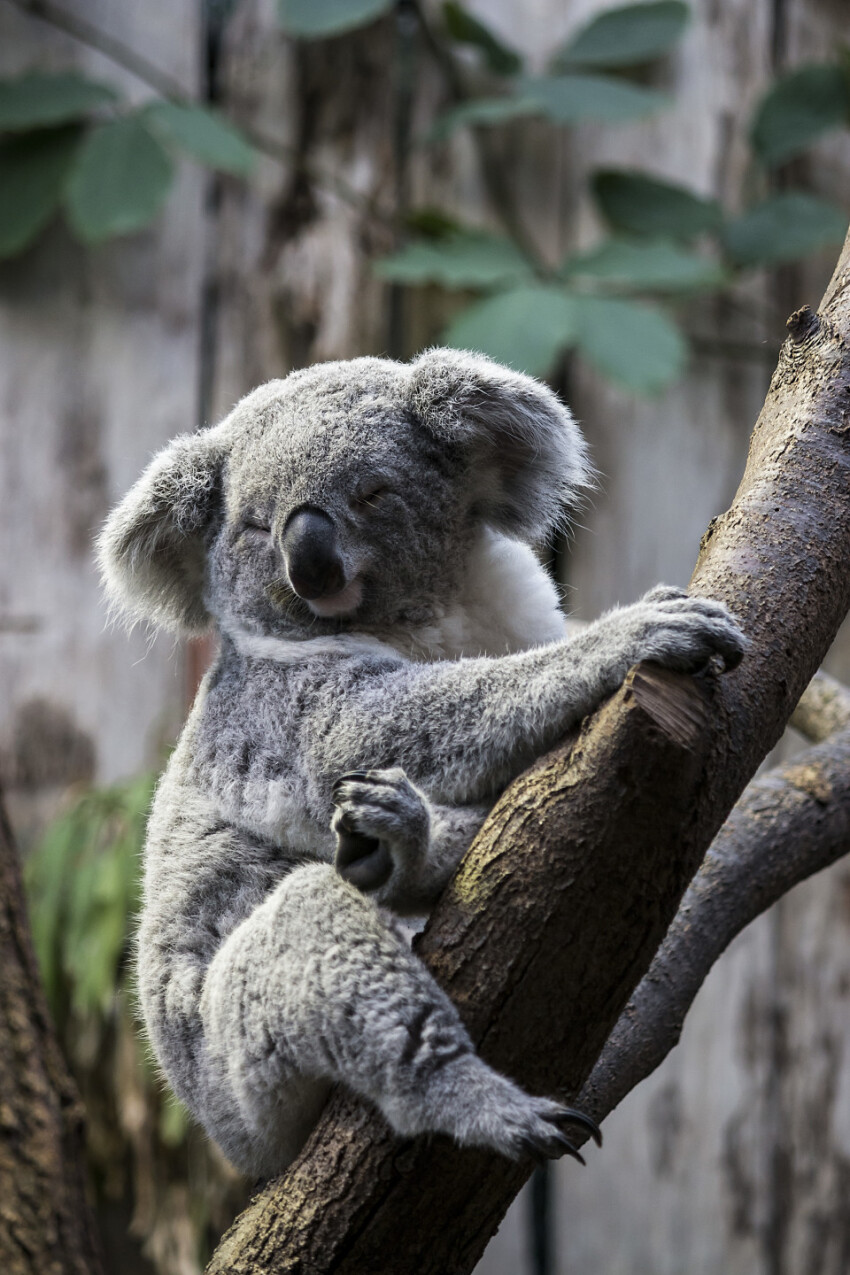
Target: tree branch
[{"x": 789, "y": 824}]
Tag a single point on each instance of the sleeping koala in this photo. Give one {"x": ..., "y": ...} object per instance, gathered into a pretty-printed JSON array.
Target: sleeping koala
[{"x": 390, "y": 655}]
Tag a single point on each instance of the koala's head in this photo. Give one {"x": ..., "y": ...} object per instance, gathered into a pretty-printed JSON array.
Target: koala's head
[{"x": 348, "y": 494}]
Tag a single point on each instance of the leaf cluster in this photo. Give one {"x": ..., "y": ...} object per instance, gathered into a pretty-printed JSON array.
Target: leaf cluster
[
  {"x": 71, "y": 144},
  {"x": 68, "y": 142},
  {"x": 82, "y": 883},
  {"x": 83, "y": 886},
  {"x": 664, "y": 242}
]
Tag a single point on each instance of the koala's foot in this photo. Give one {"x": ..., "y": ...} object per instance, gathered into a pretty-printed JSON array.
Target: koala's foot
[
  {"x": 479, "y": 1107},
  {"x": 532, "y": 1127},
  {"x": 382, "y": 825}
]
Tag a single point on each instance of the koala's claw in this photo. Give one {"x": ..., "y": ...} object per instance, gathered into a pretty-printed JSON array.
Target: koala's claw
[
  {"x": 353, "y": 776},
  {"x": 544, "y": 1140},
  {"x": 555, "y": 1145},
  {"x": 569, "y": 1115},
  {"x": 551, "y": 1142}
]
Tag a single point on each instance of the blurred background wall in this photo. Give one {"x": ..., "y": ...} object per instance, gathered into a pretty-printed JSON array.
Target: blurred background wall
[{"x": 736, "y": 1154}]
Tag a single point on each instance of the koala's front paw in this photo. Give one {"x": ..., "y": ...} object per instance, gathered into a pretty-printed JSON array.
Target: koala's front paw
[
  {"x": 381, "y": 824},
  {"x": 683, "y": 632}
]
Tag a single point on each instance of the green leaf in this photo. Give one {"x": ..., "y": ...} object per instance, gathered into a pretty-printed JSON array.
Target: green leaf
[
  {"x": 46, "y": 871},
  {"x": 39, "y": 98},
  {"x": 566, "y": 99},
  {"x": 569, "y": 99},
  {"x": 526, "y": 327},
  {"x": 784, "y": 228},
  {"x": 643, "y": 205},
  {"x": 466, "y": 29},
  {"x": 204, "y": 135},
  {"x": 119, "y": 182},
  {"x": 96, "y": 925},
  {"x": 630, "y": 343},
  {"x": 658, "y": 265},
  {"x": 461, "y": 261},
  {"x": 625, "y": 36},
  {"x": 83, "y": 886},
  {"x": 33, "y": 172},
  {"x": 316, "y": 19},
  {"x": 484, "y": 111},
  {"x": 797, "y": 109}
]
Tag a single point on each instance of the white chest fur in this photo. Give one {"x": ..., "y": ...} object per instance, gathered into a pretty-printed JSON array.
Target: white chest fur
[{"x": 508, "y": 603}]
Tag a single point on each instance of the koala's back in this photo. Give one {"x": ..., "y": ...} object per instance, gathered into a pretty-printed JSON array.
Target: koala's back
[{"x": 202, "y": 877}]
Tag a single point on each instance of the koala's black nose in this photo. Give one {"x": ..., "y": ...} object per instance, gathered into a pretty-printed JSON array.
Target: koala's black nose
[{"x": 311, "y": 555}]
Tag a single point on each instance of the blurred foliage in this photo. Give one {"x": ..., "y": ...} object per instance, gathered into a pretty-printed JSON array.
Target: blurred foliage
[
  {"x": 665, "y": 242},
  {"x": 83, "y": 886},
  {"x": 82, "y": 881},
  {"x": 72, "y": 144},
  {"x": 313, "y": 21}
]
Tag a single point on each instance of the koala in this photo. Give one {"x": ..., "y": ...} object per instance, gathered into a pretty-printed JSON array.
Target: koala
[{"x": 390, "y": 654}]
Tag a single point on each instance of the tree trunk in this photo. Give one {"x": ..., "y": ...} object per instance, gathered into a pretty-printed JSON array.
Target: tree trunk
[
  {"x": 46, "y": 1225},
  {"x": 555, "y": 913}
]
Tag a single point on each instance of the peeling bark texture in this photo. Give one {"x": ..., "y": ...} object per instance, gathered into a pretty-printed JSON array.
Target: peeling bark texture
[
  {"x": 561, "y": 904},
  {"x": 46, "y": 1226},
  {"x": 789, "y": 824}
]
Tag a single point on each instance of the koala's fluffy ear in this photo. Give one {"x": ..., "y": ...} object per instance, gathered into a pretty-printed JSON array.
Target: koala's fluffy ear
[
  {"x": 152, "y": 548},
  {"x": 527, "y": 452}
]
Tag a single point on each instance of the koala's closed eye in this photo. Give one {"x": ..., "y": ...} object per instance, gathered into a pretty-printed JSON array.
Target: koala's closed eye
[
  {"x": 371, "y": 496},
  {"x": 252, "y": 528}
]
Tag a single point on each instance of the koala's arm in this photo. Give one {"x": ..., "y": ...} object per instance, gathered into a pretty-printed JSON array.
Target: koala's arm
[{"x": 463, "y": 729}]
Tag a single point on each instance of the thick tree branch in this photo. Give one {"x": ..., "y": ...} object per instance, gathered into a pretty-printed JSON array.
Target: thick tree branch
[
  {"x": 45, "y": 1220},
  {"x": 789, "y": 824},
  {"x": 565, "y": 897}
]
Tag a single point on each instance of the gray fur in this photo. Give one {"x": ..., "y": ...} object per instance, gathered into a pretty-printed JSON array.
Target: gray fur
[{"x": 376, "y": 725}]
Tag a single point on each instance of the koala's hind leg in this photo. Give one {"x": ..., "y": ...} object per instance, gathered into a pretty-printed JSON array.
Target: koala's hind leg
[
  {"x": 393, "y": 843},
  {"x": 314, "y": 984}
]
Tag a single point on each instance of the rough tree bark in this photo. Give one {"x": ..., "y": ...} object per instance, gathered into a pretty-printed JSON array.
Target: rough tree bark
[
  {"x": 790, "y": 823},
  {"x": 563, "y": 900},
  {"x": 46, "y": 1225}
]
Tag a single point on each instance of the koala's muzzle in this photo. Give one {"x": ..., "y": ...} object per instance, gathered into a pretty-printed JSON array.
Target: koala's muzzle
[{"x": 311, "y": 554}]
